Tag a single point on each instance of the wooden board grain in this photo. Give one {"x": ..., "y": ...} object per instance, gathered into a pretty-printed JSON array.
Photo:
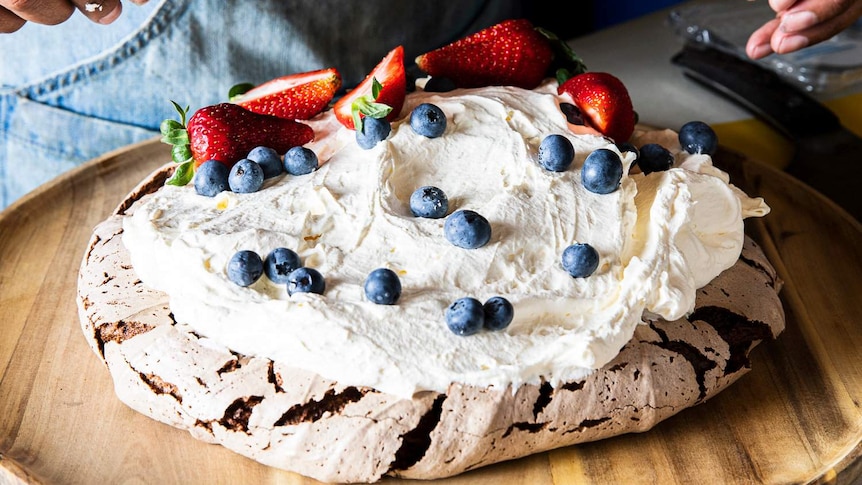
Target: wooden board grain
[{"x": 796, "y": 418}]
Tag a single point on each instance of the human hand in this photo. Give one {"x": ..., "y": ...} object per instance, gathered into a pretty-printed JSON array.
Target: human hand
[
  {"x": 800, "y": 23},
  {"x": 15, "y": 13}
]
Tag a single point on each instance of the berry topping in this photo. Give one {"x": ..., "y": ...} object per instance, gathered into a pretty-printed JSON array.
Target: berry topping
[
  {"x": 227, "y": 132},
  {"x": 511, "y": 53},
  {"x": 467, "y": 229},
  {"x": 698, "y": 137},
  {"x": 372, "y": 131},
  {"x": 556, "y": 153},
  {"x": 602, "y": 171},
  {"x": 244, "y": 267},
  {"x": 498, "y": 313},
  {"x": 439, "y": 84},
  {"x": 573, "y": 114},
  {"x": 465, "y": 316},
  {"x": 211, "y": 178},
  {"x": 604, "y": 101},
  {"x": 293, "y": 97},
  {"x": 279, "y": 263},
  {"x": 380, "y": 94},
  {"x": 428, "y": 120},
  {"x": 305, "y": 280},
  {"x": 655, "y": 158},
  {"x": 429, "y": 202},
  {"x": 268, "y": 160},
  {"x": 300, "y": 161},
  {"x": 245, "y": 177},
  {"x": 383, "y": 287},
  {"x": 580, "y": 260}
]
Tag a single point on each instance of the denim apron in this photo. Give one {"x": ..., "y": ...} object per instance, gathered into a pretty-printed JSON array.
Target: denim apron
[{"x": 192, "y": 52}]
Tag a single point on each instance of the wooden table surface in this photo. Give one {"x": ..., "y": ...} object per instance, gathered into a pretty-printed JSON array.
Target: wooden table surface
[{"x": 796, "y": 418}]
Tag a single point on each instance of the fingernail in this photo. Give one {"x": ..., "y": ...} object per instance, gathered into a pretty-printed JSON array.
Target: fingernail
[
  {"x": 791, "y": 43},
  {"x": 796, "y": 21},
  {"x": 759, "y": 51},
  {"x": 112, "y": 15}
]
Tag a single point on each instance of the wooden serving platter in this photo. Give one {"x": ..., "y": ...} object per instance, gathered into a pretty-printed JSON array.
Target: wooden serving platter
[{"x": 795, "y": 418}]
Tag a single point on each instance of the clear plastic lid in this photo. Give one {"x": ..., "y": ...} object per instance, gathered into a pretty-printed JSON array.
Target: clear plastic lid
[{"x": 828, "y": 68}]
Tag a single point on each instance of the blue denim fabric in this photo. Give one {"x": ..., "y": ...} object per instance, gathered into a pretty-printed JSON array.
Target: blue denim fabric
[{"x": 193, "y": 51}]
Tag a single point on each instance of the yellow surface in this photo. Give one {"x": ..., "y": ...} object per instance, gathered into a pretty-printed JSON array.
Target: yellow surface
[{"x": 759, "y": 141}]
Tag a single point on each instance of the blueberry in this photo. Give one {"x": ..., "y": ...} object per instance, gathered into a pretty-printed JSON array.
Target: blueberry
[
  {"x": 382, "y": 286},
  {"x": 439, "y": 84},
  {"x": 244, "y": 267},
  {"x": 573, "y": 113},
  {"x": 467, "y": 229},
  {"x": 556, "y": 153},
  {"x": 300, "y": 161},
  {"x": 211, "y": 178},
  {"x": 498, "y": 313},
  {"x": 305, "y": 280},
  {"x": 602, "y": 171},
  {"x": 655, "y": 158},
  {"x": 373, "y": 130},
  {"x": 245, "y": 177},
  {"x": 430, "y": 202},
  {"x": 279, "y": 263},
  {"x": 268, "y": 160},
  {"x": 428, "y": 120},
  {"x": 465, "y": 316},
  {"x": 698, "y": 137},
  {"x": 580, "y": 260}
]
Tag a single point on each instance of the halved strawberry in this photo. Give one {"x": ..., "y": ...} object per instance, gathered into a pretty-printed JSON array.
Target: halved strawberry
[
  {"x": 604, "y": 99},
  {"x": 293, "y": 97},
  {"x": 511, "y": 53},
  {"x": 390, "y": 90},
  {"x": 227, "y": 132}
]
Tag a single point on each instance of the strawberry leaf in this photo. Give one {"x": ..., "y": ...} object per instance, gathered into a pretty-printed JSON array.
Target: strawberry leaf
[
  {"x": 181, "y": 153},
  {"x": 238, "y": 90},
  {"x": 168, "y": 126},
  {"x": 183, "y": 174},
  {"x": 376, "y": 87},
  {"x": 182, "y": 111},
  {"x": 176, "y": 137},
  {"x": 367, "y": 106},
  {"x": 566, "y": 63}
]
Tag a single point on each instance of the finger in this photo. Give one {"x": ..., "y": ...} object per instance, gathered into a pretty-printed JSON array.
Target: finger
[
  {"x": 781, "y": 5},
  {"x": 758, "y": 45},
  {"x": 783, "y": 42},
  {"x": 9, "y": 22},
  {"x": 808, "y": 13},
  {"x": 100, "y": 11},
  {"x": 48, "y": 12}
]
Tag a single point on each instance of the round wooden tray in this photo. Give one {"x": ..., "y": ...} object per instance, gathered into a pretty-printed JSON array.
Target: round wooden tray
[{"x": 796, "y": 418}]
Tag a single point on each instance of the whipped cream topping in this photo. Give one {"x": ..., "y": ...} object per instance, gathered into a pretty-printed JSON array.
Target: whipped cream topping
[{"x": 660, "y": 237}]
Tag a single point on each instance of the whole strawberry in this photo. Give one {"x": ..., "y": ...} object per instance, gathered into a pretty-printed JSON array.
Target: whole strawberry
[
  {"x": 605, "y": 101},
  {"x": 511, "y": 53},
  {"x": 227, "y": 132},
  {"x": 293, "y": 97}
]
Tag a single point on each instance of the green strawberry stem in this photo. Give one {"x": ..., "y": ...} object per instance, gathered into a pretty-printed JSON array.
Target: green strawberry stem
[
  {"x": 566, "y": 63},
  {"x": 368, "y": 107},
  {"x": 174, "y": 133}
]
